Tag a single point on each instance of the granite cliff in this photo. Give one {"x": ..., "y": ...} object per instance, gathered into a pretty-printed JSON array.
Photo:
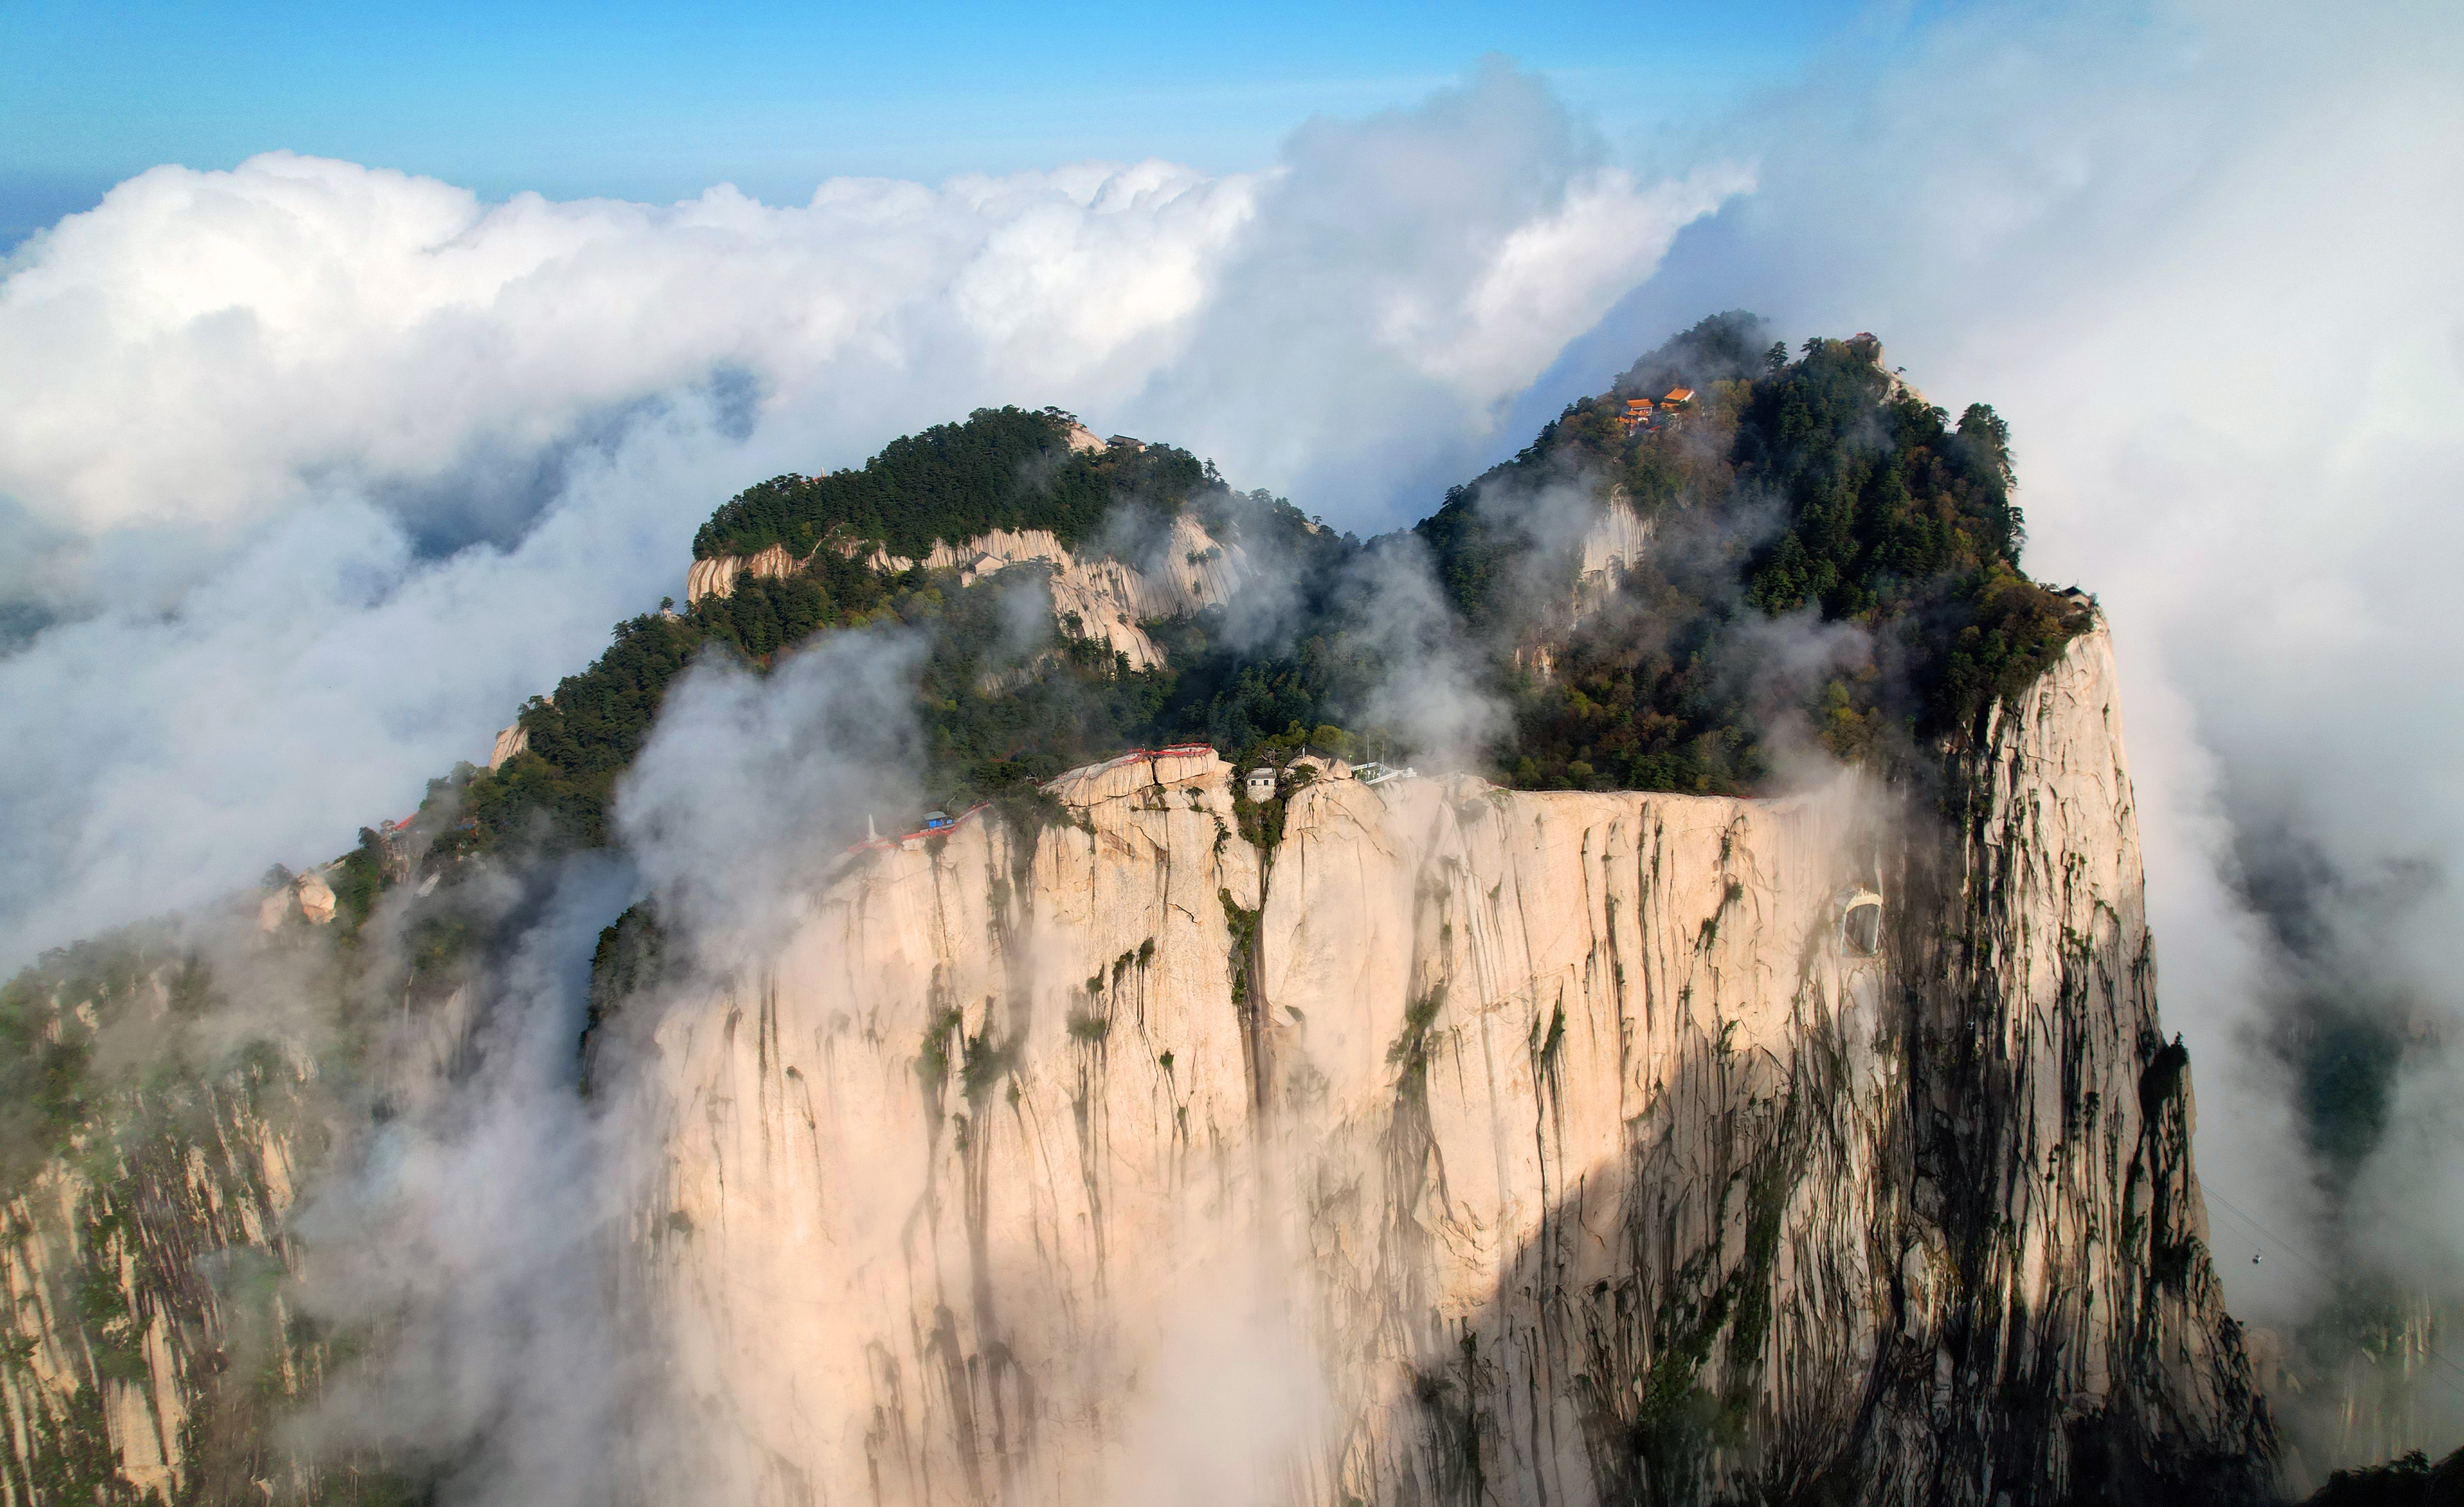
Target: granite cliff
[
  {"x": 150, "y": 1342},
  {"x": 1160, "y": 1130},
  {"x": 1539, "y": 1146}
]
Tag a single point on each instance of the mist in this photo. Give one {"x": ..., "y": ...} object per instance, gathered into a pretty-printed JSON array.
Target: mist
[
  {"x": 311, "y": 471},
  {"x": 464, "y": 1239},
  {"x": 2196, "y": 257}
]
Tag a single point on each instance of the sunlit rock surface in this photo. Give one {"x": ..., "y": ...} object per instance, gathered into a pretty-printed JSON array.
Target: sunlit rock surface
[
  {"x": 510, "y": 741},
  {"x": 1619, "y": 539},
  {"x": 1093, "y": 595},
  {"x": 1464, "y": 1145}
]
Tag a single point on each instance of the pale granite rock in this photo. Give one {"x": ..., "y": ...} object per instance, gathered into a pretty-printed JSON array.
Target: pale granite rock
[
  {"x": 1093, "y": 595},
  {"x": 316, "y": 900},
  {"x": 1563, "y": 1138}
]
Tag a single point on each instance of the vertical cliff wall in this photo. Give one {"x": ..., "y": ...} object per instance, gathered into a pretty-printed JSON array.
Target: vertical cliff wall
[
  {"x": 1434, "y": 1142},
  {"x": 151, "y": 1347}
]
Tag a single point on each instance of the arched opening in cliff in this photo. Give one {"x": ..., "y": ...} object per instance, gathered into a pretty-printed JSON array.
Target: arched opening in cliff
[{"x": 1860, "y": 923}]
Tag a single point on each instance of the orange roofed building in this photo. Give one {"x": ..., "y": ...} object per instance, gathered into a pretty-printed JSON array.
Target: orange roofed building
[
  {"x": 1638, "y": 414},
  {"x": 1678, "y": 398}
]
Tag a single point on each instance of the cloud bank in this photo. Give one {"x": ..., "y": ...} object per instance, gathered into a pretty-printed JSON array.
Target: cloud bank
[
  {"x": 310, "y": 473},
  {"x": 2199, "y": 257}
]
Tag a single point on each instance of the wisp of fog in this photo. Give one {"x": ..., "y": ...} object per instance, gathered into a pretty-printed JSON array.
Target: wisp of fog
[{"x": 311, "y": 471}]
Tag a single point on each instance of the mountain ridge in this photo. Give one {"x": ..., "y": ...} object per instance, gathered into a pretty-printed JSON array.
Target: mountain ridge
[
  {"x": 1817, "y": 489},
  {"x": 1369, "y": 984}
]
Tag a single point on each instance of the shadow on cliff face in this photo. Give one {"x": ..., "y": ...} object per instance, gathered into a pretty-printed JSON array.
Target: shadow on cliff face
[
  {"x": 1942, "y": 1246},
  {"x": 1728, "y": 1340}
]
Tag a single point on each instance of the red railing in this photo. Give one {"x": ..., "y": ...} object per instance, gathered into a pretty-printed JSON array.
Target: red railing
[{"x": 886, "y": 844}]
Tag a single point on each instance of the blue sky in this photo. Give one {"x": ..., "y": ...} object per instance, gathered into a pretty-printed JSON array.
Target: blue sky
[{"x": 657, "y": 102}]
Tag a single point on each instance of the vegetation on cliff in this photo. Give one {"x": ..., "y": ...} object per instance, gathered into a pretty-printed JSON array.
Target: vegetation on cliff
[
  {"x": 1794, "y": 496},
  {"x": 2408, "y": 1480},
  {"x": 1806, "y": 508},
  {"x": 1797, "y": 500},
  {"x": 149, "y": 1143},
  {"x": 1002, "y": 469}
]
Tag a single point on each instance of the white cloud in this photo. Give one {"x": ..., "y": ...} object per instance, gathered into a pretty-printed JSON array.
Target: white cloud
[
  {"x": 218, "y": 346},
  {"x": 1565, "y": 269},
  {"x": 1406, "y": 277},
  {"x": 306, "y": 686},
  {"x": 318, "y": 469},
  {"x": 745, "y": 797},
  {"x": 2201, "y": 257},
  {"x": 324, "y": 466}
]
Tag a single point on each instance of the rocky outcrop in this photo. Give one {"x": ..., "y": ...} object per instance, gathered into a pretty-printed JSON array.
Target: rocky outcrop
[
  {"x": 1106, "y": 599},
  {"x": 510, "y": 741},
  {"x": 307, "y": 895},
  {"x": 1435, "y": 1142},
  {"x": 1619, "y": 539},
  {"x": 717, "y": 575},
  {"x": 1614, "y": 544},
  {"x": 1094, "y": 596},
  {"x": 514, "y": 739}
]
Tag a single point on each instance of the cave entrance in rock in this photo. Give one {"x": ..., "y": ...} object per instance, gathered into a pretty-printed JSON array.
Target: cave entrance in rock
[{"x": 1860, "y": 923}]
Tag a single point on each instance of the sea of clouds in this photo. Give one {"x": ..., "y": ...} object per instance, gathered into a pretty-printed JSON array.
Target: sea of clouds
[
  {"x": 311, "y": 471},
  {"x": 2197, "y": 256}
]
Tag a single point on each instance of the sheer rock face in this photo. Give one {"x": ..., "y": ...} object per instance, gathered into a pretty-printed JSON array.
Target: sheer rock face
[
  {"x": 717, "y": 575},
  {"x": 1615, "y": 543},
  {"x": 149, "y": 1346},
  {"x": 1464, "y": 1145},
  {"x": 1100, "y": 598},
  {"x": 510, "y": 741}
]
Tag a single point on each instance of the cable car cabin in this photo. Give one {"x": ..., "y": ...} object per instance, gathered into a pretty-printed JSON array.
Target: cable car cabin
[{"x": 935, "y": 820}]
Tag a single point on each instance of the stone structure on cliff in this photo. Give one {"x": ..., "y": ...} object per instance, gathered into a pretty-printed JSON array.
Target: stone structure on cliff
[{"x": 1459, "y": 1145}]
